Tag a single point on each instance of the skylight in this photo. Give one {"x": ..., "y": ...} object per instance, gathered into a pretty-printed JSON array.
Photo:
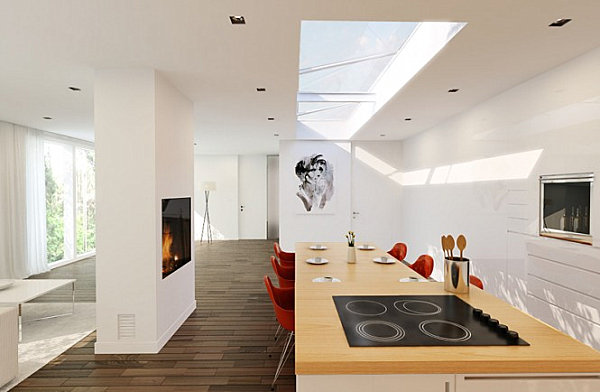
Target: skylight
[{"x": 349, "y": 70}]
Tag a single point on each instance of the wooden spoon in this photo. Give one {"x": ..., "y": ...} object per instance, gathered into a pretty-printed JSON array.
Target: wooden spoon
[
  {"x": 445, "y": 245},
  {"x": 451, "y": 245},
  {"x": 461, "y": 242}
]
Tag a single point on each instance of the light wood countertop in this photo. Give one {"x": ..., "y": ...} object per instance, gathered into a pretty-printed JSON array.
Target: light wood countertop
[{"x": 321, "y": 346}]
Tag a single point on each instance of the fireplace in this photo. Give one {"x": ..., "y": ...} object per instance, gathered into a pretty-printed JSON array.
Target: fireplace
[{"x": 176, "y": 234}]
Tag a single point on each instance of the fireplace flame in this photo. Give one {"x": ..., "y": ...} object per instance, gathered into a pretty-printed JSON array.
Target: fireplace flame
[{"x": 167, "y": 241}]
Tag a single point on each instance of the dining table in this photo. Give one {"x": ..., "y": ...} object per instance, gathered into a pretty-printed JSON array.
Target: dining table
[{"x": 324, "y": 360}]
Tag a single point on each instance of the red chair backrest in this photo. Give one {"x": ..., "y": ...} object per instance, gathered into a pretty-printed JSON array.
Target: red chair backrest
[
  {"x": 285, "y": 278},
  {"x": 284, "y": 316},
  {"x": 281, "y": 255},
  {"x": 399, "y": 251},
  {"x": 475, "y": 281},
  {"x": 423, "y": 266}
]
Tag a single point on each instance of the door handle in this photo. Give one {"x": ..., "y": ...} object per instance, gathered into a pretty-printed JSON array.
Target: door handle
[{"x": 355, "y": 213}]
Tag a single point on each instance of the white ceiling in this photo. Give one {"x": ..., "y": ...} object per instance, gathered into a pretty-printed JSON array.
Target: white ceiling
[{"x": 46, "y": 46}]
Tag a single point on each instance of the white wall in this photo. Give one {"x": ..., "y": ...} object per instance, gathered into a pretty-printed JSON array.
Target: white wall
[
  {"x": 240, "y": 180},
  {"x": 223, "y": 203},
  {"x": 363, "y": 186},
  {"x": 376, "y": 197},
  {"x": 252, "y": 192},
  {"x": 495, "y": 204},
  {"x": 144, "y": 141},
  {"x": 174, "y": 134},
  {"x": 295, "y": 225}
]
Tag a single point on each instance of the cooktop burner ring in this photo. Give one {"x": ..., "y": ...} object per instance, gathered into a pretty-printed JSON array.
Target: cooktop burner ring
[
  {"x": 464, "y": 338},
  {"x": 399, "y": 333},
  {"x": 401, "y": 306},
  {"x": 383, "y": 308}
]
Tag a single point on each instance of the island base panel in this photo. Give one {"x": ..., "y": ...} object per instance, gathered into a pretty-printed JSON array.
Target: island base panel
[{"x": 548, "y": 382}]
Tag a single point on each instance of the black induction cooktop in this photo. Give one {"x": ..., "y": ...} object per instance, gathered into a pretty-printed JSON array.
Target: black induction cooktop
[{"x": 422, "y": 320}]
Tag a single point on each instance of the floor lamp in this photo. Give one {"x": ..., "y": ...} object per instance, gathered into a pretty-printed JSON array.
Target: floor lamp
[{"x": 207, "y": 187}]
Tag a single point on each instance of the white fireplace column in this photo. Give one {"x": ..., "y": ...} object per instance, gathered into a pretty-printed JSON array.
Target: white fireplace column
[{"x": 144, "y": 153}]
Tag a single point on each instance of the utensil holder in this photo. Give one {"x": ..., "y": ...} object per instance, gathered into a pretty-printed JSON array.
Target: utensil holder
[
  {"x": 456, "y": 275},
  {"x": 351, "y": 255}
]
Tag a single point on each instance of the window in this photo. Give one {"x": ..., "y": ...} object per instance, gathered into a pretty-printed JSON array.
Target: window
[
  {"x": 70, "y": 201},
  {"x": 85, "y": 215}
]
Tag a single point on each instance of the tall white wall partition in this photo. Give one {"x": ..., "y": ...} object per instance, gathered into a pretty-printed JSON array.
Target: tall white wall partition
[{"x": 144, "y": 152}]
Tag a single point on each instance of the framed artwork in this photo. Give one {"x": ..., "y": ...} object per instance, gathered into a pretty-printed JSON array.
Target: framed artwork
[{"x": 315, "y": 193}]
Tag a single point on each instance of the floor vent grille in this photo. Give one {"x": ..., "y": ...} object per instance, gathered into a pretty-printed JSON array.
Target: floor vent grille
[{"x": 126, "y": 326}]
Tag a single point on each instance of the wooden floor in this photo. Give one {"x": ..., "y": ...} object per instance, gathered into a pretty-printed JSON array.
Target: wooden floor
[{"x": 225, "y": 345}]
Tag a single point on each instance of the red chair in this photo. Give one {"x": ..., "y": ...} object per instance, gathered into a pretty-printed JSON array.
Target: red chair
[
  {"x": 475, "y": 281},
  {"x": 423, "y": 266},
  {"x": 282, "y": 300},
  {"x": 284, "y": 276},
  {"x": 286, "y": 258},
  {"x": 398, "y": 251}
]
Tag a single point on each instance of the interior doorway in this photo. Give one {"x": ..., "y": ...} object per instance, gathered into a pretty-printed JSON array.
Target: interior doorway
[{"x": 273, "y": 197}]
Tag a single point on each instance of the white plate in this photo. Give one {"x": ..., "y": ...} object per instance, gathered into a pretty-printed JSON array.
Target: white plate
[
  {"x": 388, "y": 260},
  {"x": 366, "y": 247},
  {"x": 412, "y": 279},
  {"x": 6, "y": 283},
  {"x": 320, "y": 247},
  {"x": 326, "y": 279},
  {"x": 317, "y": 261}
]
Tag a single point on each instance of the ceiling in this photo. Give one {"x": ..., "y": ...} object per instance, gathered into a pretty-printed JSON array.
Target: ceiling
[{"x": 47, "y": 46}]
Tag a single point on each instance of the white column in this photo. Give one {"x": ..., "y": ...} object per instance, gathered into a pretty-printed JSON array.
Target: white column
[{"x": 144, "y": 152}]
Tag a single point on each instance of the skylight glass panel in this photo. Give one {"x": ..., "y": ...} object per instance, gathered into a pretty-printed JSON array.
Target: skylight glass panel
[
  {"x": 347, "y": 56},
  {"x": 349, "y": 70},
  {"x": 325, "y": 111}
]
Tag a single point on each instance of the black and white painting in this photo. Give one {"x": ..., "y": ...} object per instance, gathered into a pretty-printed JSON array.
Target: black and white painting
[{"x": 317, "y": 186}]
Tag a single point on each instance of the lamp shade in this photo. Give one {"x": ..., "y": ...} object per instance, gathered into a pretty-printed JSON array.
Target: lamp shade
[{"x": 209, "y": 186}]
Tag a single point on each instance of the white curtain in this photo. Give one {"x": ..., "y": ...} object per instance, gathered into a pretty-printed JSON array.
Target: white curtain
[
  {"x": 35, "y": 187},
  {"x": 22, "y": 202}
]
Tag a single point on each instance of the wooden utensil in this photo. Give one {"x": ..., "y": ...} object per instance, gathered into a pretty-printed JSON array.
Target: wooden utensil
[
  {"x": 461, "y": 242},
  {"x": 445, "y": 245},
  {"x": 451, "y": 245}
]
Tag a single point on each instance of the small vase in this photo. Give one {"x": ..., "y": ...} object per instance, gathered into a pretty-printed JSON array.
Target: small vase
[{"x": 351, "y": 255}]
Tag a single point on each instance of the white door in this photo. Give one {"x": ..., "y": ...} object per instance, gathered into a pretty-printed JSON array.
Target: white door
[
  {"x": 375, "y": 197},
  {"x": 252, "y": 197}
]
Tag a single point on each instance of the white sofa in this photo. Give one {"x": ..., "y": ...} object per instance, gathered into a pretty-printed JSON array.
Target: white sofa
[{"x": 9, "y": 344}]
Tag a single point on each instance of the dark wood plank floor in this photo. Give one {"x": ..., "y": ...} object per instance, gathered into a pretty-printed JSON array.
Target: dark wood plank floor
[{"x": 224, "y": 346}]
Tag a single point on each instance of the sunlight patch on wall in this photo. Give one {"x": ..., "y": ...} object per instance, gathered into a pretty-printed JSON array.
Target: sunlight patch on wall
[
  {"x": 517, "y": 166},
  {"x": 504, "y": 167},
  {"x": 373, "y": 162},
  {"x": 417, "y": 177}
]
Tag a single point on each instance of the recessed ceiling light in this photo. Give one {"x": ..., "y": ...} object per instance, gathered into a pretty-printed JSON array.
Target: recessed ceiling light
[
  {"x": 408, "y": 119},
  {"x": 453, "y": 90},
  {"x": 261, "y": 89},
  {"x": 47, "y": 118},
  {"x": 237, "y": 19},
  {"x": 73, "y": 88},
  {"x": 275, "y": 134},
  {"x": 270, "y": 118},
  {"x": 559, "y": 22}
]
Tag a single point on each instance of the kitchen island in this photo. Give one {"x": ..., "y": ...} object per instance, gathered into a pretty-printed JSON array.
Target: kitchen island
[{"x": 326, "y": 362}]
